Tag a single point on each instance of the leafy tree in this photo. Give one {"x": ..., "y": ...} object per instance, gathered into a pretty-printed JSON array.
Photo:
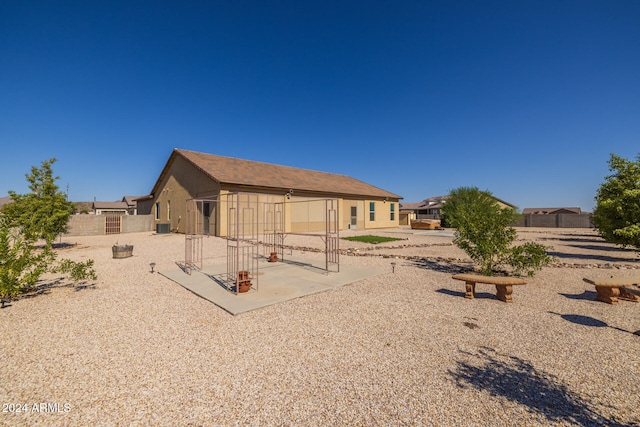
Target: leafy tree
[
  {"x": 42, "y": 214},
  {"x": 617, "y": 211},
  {"x": 484, "y": 232},
  {"x": 21, "y": 264}
]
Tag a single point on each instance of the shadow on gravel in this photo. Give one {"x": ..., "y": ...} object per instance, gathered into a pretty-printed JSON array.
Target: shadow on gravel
[
  {"x": 441, "y": 266},
  {"x": 564, "y": 256},
  {"x": 44, "y": 287},
  {"x": 478, "y": 295},
  {"x": 579, "y": 319},
  {"x": 604, "y": 248},
  {"x": 586, "y": 239},
  {"x": 586, "y": 295},
  {"x": 519, "y": 381}
]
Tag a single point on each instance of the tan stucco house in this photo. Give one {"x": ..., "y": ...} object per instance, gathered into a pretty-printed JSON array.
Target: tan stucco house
[
  {"x": 432, "y": 207},
  {"x": 194, "y": 175},
  {"x": 126, "y": 206}
]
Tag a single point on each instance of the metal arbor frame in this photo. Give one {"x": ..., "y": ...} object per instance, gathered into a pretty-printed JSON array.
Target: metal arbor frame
[
  {"x": 275, "y": 233},
  {"x": 242, "y": 236},
  {"x": 242, "y": 239},
  {"x": 244, "y": 229},
  {"x": 194, "y": 230}
]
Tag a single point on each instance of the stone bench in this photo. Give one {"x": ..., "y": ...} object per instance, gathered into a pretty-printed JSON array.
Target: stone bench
[
  {"x": 504, "y": 285},
  {"x": 610, "y": 289},
  {"x": 633, "y": 289}
]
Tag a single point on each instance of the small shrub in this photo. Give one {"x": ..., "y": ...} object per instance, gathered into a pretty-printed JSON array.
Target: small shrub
[
  {"x": 528, "y": 258},
  {"x": 21, "y": 264},
  {"x": 483, "y": 231},
  {"x": 77, "y": 271}
]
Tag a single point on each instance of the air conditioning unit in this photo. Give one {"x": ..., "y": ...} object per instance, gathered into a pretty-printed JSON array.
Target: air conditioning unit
[{"x": 163, "y": 228}]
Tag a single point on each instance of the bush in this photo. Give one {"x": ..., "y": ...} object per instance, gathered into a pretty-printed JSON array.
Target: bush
[
  {"x": 483, "y": 231},
  {"x": 21, "y": 264}
]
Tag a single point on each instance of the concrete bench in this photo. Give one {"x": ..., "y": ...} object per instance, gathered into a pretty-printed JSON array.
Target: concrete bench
[
  {"x": 504, "y": 285},
  {"x": 633, "y": 289},
  {"x": 610, "y": 289}
]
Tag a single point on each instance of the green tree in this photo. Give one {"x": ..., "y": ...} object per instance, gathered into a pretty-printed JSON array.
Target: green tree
[
  {"x": 484, "y": 232},
  {"x": 41, "y": 214},
  {"x": 617, "y": 211},
  {"x": 44, "y": 212},
  {"x": 21, "y": 264}
]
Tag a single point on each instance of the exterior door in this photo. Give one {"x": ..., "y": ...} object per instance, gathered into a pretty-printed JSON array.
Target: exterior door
[
  {"x": 354, "y": 216},
  {"x": 206, "y": 208}
]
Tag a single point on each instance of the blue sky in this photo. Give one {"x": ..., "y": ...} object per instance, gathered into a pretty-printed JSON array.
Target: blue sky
[{"x": 526, "y": 99}]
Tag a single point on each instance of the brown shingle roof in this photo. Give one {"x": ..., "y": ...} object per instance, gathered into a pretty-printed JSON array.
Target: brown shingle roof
[
  {"x": 131, "y": 201},
  {"x": 110, "y": 205},
  {"x": 233, "y": 171},
  {"x": 437, "y": 202}
]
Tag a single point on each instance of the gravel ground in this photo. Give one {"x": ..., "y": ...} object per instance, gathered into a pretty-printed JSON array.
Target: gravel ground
[{"x": 402, "y": 348}]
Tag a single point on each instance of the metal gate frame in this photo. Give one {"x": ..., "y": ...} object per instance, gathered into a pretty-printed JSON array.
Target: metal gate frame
[
  {"x": 332, "y": 234},
  {"x": 275, "y": 233},
  {"x": 112, "y": 224},
  {"x": 242, "y": 236},
  {"x": 194, "y": 229},
  {"x": 243, "y": 232},
  {"x": 242, "y": 239}
]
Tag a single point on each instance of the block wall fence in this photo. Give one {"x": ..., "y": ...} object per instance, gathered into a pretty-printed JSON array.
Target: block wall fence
[{"x": 96, "y": 225}]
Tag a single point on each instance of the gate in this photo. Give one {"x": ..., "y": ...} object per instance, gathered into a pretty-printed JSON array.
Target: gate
[
  {"x": 332, "y": 239},
  {"x": 112, "y": 224},
  {"x": 273, "y": 233},
  {"x": 194, "y": 230}
]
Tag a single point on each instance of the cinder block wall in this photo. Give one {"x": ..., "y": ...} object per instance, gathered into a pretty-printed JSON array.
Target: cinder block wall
[
  {"x": 137, "y": 223},
  {"x": 556, "y": 221},
  {"x": 94, "y": 225}
]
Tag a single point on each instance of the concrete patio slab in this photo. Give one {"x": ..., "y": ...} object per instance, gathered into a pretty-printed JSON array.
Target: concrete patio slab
[{"x": 277, "y": 282}]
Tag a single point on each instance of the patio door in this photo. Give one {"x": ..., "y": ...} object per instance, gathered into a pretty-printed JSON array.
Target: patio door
[{"x": 206, "y": 207}]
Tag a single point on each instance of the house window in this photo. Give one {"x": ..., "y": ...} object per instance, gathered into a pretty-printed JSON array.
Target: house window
[
  {"x": 168, "y": 210},
  {"x": 158, "y": 211},
  {"x": 392, "y": 212},
  {"x": 372, "y": 211}
]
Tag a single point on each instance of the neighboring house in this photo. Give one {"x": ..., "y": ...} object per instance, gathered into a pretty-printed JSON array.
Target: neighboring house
[
  {"x": 431, "y": 208},
  {"x": 127, "y": 206},
  {"x": 551, "y": 211},
  {"x": 427, "y": 208},
  {"x": 132, "y": 204},
  {"x": 194, "y": 175},
  {"x": 112, "y": 208}
]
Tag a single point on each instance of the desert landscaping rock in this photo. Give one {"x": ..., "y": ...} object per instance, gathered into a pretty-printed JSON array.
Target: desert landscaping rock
[{"x": 402, "y": 348}]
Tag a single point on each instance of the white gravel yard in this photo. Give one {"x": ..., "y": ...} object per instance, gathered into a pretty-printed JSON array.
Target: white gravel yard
[{"x": 402, "y": 348}]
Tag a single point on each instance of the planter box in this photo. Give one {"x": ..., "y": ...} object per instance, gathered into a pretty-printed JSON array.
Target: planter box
[
  {"x": 425, "y": 224},
  {"x": 122, "y": 251}
]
